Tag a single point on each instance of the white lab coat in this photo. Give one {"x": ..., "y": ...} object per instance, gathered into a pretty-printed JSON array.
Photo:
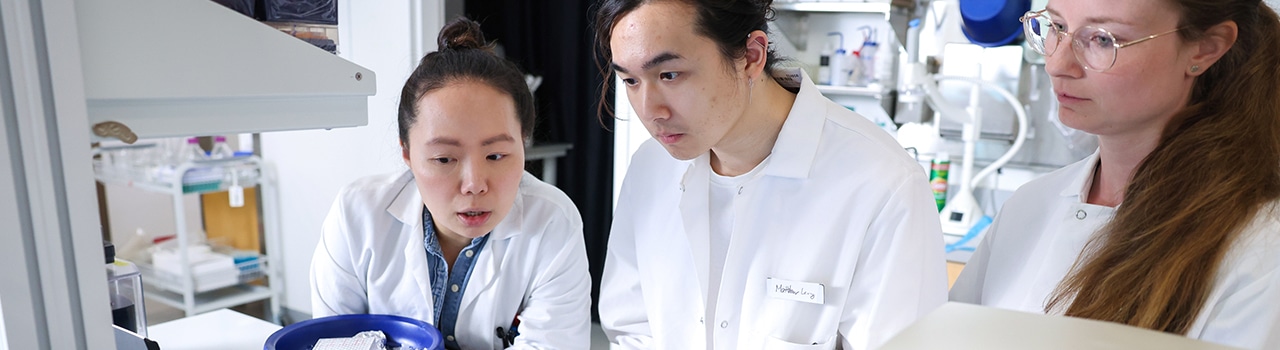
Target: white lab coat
[
  {"x": 839, "y": 203},
  {"x": 1045, "y": 225},
  {"x": 371, "y": 259}
]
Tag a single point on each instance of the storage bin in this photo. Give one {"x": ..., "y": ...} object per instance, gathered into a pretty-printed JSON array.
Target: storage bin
[{"x": 402, "y": 332}]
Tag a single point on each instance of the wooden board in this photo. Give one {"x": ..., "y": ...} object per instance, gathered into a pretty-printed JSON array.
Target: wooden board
[{"x": 236, "y": 227}]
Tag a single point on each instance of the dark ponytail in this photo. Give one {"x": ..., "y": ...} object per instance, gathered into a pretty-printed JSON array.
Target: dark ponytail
[{"x": 464, "y": 55}]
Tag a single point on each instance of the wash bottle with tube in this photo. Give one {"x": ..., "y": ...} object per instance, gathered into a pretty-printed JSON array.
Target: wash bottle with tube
[{"x": 867, "y": 56}]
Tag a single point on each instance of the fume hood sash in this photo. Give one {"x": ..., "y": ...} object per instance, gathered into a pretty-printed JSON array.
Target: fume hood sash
[{"x": 192, "y": 67}]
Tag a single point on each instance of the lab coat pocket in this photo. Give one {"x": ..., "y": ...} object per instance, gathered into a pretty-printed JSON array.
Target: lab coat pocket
[{"x": 773, "y": 343}]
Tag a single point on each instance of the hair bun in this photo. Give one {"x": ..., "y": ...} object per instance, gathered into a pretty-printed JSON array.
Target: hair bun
[{"x": 462, "y": 34}]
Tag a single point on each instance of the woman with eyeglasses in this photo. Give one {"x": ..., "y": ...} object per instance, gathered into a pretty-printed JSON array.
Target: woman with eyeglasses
[{"x": 1172, "y": 225}]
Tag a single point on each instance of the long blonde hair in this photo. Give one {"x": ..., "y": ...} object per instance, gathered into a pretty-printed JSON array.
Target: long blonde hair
[{"x": 1217, "y": 164}]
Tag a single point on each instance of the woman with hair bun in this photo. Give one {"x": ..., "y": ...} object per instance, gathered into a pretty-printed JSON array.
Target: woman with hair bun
[{"x": 464, "y": 238}]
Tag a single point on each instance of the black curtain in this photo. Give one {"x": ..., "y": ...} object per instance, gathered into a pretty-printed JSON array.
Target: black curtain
[{"x": 554, "y": 39}]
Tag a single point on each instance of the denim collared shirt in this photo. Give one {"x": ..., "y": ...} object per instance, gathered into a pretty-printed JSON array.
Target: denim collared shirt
[{"x": 446, "y": 286}]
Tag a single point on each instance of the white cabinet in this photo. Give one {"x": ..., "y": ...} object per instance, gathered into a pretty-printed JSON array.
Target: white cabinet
[{"x": 185, "y": 276}]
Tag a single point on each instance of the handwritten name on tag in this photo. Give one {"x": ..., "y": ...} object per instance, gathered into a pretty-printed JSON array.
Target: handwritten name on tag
[{"x": 798, "y": 291}]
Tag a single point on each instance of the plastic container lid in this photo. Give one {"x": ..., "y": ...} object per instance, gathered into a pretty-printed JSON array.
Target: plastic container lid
[
  {"x": 401, "y": 331},
  {"x": 992, "y": 23}
]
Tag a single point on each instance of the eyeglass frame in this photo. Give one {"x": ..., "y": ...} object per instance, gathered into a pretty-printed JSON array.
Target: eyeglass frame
[{"x": 1115, "y": 47}]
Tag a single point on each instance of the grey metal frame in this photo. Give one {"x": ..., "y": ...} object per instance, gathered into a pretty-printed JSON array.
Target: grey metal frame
[{"x": 53, "y": 289}]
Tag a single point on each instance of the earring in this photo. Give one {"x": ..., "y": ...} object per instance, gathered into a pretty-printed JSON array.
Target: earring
[{"x": 1195, "y": 68}]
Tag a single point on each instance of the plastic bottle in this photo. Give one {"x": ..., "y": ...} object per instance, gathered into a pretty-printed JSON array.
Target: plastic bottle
[
  {"x": 124, "y": 288},
  {"x": 868, "y": 62},
  {"x": 855, "y": 69},
  {"x": 192, "y": 151},
  {"x": 839, "y": 68},
  {"x": 911, "y": 95},
  {"x": 938, "y": 169},
  {"x": 221, "y": 149},
  {"x": 913, "y": 41},
  {"x": 886, "y": 62}
]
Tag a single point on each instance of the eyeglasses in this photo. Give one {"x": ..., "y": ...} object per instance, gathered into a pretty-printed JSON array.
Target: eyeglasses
[{"x": 1095, "y": 48}]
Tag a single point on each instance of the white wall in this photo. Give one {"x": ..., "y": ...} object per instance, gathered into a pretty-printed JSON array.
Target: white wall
[
  {"x": 130, "y": 209},
  {"x": 313, "y": 165}
]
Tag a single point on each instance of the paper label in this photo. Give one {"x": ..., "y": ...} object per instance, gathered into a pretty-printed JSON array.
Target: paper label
[
  {"x": 236, "y": 194},
  {"x": 347, "y": 344},
  {"x": 798, "y": 291}
]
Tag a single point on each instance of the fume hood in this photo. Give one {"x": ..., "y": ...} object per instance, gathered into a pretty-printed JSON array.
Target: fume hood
[
  {"x": 192, "y": 67},
  {"x": 159, "y": 68}
]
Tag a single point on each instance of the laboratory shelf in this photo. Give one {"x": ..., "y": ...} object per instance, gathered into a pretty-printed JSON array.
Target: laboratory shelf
[
  {"x": 212, "y": 300},
  {"x": 842, "y": 7},
  {"x": 198, "y": 177},
  {"x": 182, "y": 286},
  {"x": 245, "y": 271}
]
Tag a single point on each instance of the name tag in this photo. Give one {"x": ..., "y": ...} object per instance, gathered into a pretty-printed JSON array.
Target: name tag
[{"x": 798, "y": 291}]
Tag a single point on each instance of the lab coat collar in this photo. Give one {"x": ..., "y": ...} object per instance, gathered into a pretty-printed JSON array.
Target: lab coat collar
[
  {"x": 1083, "y": 177},
  {"x": 797, "y": 145},
  {"x": 407, "y": 206}
]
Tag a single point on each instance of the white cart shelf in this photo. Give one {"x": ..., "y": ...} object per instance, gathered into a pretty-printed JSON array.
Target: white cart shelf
[{"x": 205, "y": 176}]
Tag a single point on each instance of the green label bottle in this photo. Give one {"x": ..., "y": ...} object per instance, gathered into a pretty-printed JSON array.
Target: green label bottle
[{"x": 938, "y": 170}]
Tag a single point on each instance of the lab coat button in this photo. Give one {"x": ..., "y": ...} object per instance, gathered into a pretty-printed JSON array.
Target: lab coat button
[
  {"x": 454, "y": 288},
  {"x": 724, "y": 324},
  {"x": 471, "y": 253},
  {"x": 1080, "y": 214},
  {"x": 449, "y": 338},
  {"x": 700, "y": 320}
]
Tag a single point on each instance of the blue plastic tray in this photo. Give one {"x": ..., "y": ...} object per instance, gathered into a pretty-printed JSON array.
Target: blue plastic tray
[{"x": 400, "y": 331}]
